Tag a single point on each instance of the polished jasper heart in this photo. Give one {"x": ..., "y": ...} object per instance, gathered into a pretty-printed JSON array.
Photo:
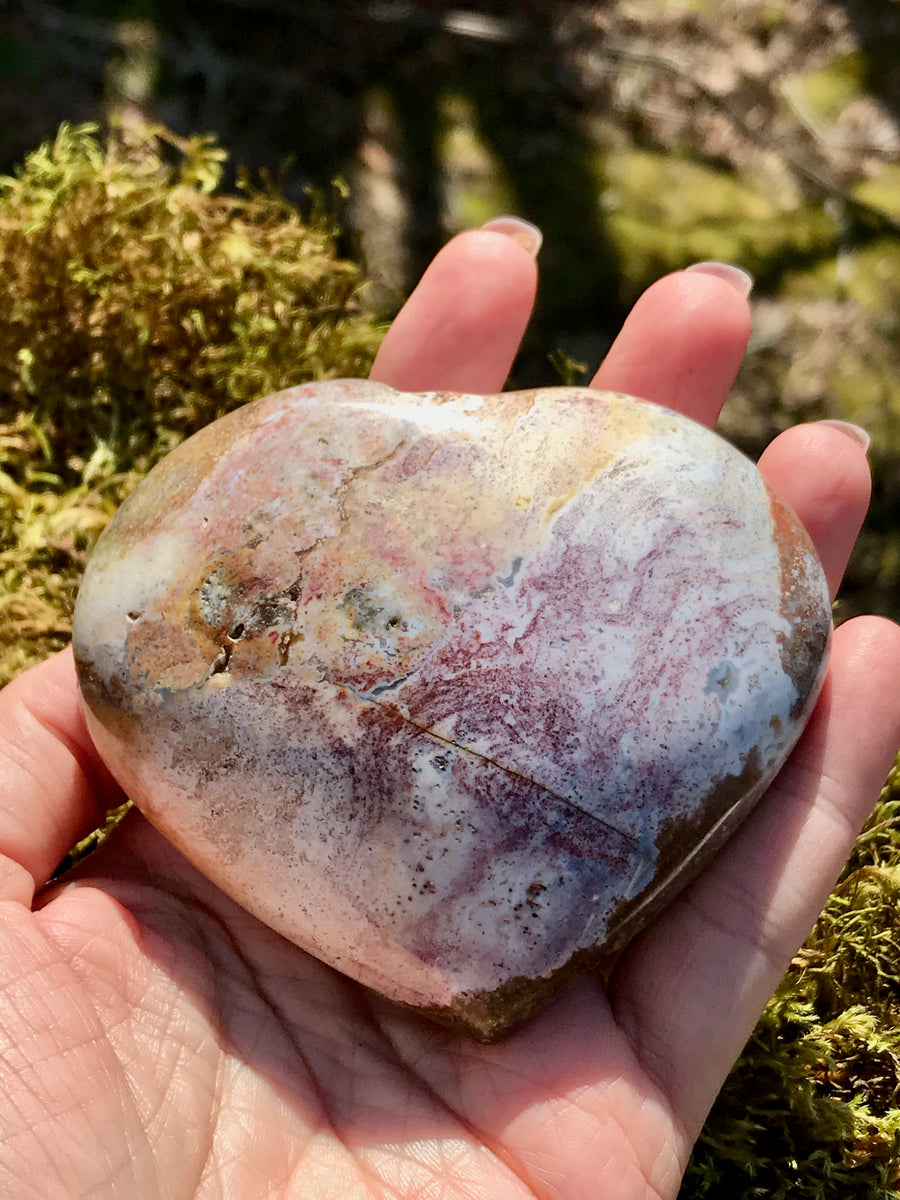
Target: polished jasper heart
[{"x": 453, "y": 691}]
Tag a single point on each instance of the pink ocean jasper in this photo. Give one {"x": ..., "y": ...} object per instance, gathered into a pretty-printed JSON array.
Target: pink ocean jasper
[{"x": 452, "y": 691}]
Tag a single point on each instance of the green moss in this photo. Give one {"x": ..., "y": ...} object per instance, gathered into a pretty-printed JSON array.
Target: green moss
[
  {"x": 665, "y": 212},
  {"x": 771, "y": 16},
  {"x": 810, "y": 1110},
  {"x": 138, "y": 303},
  {"x": 866, "y": 392},
  {"x": 857, "y": 299},
  {"x": 825, "y": 93},
  {"x": 868, "y": 274},
  {"x": 871, "y": 276},
  {"x": 882, "y": 192},
  {"x": 476, "y": 188}
]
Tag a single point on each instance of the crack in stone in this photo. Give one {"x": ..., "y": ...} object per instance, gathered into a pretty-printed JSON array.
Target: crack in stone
[
  {"x": 360, "y": 473},
  {"x": 522, "y": 416},
  {"x": 514, "y": 774}
]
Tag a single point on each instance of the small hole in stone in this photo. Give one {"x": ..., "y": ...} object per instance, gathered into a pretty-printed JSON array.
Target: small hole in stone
[
  {"x": 237, "y": 632},
  {"x": 132, "y": 616}
]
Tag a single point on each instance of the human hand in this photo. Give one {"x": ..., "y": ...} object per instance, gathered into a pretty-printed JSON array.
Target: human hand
[{"x": 156, "y": 1040}]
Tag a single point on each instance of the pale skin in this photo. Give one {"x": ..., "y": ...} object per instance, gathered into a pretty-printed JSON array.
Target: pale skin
[{"x": 155, "y": 1041}]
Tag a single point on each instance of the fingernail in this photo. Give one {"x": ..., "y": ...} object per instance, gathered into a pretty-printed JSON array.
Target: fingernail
[
  {"x": 523, "y": 232},
  {"x": 740, "y": 280},
  {"x": 855, "y": 432}
]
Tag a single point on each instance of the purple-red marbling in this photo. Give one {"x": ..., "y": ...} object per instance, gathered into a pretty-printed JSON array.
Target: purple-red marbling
[{"x": 452, "y": 691}]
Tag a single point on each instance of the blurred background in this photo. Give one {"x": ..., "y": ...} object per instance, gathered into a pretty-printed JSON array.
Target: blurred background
[{"x": 640, "y": 136}]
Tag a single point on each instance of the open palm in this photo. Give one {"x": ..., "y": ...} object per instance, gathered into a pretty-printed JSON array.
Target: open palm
[{"x": 157, "y": 1041}]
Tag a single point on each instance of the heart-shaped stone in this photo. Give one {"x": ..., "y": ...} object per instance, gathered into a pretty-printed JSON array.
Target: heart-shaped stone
[{"x": 452, "y": 691}]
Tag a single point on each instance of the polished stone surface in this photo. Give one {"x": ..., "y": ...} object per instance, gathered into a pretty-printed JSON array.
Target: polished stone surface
[{"x": 452, "y": 691}]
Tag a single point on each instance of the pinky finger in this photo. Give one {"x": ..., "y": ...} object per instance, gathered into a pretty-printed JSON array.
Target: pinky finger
[{"x": 823, "y": 474}]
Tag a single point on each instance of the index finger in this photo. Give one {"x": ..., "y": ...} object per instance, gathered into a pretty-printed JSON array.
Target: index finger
[{"x": 461, "y": 327}]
